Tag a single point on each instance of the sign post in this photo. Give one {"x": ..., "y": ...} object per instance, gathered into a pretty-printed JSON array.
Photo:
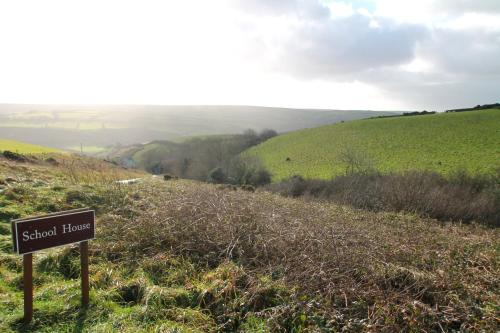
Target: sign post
[
  {"x": 38, "y": 233},
  {"x": 84, "y": 260},
  {"x": 28, "y": 286}
]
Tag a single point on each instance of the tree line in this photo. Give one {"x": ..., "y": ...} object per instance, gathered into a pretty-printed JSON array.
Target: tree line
[{"x": 215, "y": 159}]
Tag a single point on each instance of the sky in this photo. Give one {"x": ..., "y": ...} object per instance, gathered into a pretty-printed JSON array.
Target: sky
[{"x": 365, "y": 54}]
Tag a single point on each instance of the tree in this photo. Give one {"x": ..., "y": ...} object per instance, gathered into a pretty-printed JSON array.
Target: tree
[
  {"x": 356, "y": 161},
  {"x": 248, "y": 171},
  {"x": 266, "y": 134}
]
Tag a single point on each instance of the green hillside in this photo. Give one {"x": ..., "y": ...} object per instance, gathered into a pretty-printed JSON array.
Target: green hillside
[
  {"x": 24, "y": 148},
  {"x": 441, "y": 142}
]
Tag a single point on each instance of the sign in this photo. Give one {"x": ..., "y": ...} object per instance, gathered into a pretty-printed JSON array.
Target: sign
[
  {"x": 43, "y": 232},
  {"x": 37, "y": 233}
]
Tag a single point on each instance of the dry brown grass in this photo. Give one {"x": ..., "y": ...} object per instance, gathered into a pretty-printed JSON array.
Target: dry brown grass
[
  {"x": 86, "y": 170},
  {"x": 363, "y": 271},
  {"x": 73, "y": 169}
]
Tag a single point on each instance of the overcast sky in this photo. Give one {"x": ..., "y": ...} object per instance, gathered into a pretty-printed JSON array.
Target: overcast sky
[{"x": 367, "y": 54}]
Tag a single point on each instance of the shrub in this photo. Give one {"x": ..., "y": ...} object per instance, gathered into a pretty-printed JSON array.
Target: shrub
[
  {"x": 14, "y": 156},
  {"x": 248, "y": 188},
  {"x": 52, "y": 161},
  {"x": 169, "y": 177},
  {"x": 340, "y": 269},
  {"x": 216, "y": 176},
  {"x": 461, "y": 198},
  {"x": 248, "y": 171},
  {"x": 356, "y": 161},
  {"x": 267, "y": 134},
  {"x": 260, "y": 177}
]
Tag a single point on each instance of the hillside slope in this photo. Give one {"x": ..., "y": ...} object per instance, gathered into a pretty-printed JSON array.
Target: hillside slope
[
  {"x": 24, "y": 148},
  {"x": 441, "y": 142},
  {"x": 183, "y": 256}
]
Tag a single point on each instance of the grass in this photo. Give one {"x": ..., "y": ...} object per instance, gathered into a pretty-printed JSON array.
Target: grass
[
  {"x": 24, "y": 148},
  {"x": 183, "y": 256},
  {"x": 441, "y": 143}
]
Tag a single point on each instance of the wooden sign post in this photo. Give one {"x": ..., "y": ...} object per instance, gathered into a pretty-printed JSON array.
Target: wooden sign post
[{"x": 38, "y": 233}]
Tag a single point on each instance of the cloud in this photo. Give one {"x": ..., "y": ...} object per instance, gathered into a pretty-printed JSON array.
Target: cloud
[
  {"x": 468, "y": 6},
  {"x": 308, "y": 39},
  {"x": 450, "y": 64},
  {"x": 302, "y": 8},
  {"x": 333, "y": 48},
  {"x": 460, "y": 69},
  {"x": 436, "y": 92},
  {"x": 474, "y": 53},
  {"x": 425, "y": 53}
]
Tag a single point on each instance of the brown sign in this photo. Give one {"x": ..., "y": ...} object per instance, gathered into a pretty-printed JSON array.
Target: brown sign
[{"x": 43, "y": 232}]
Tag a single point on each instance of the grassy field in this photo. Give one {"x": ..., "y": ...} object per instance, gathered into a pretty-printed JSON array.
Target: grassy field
[
  {"x": 87, "y": 149},
  {"x": 24, "y": 148},
  {"x": 441, "y": 142},
  {"x": 183, "y": 256}
]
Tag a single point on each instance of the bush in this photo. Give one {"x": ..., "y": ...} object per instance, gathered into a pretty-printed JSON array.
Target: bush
[
  {"x": 248, "y": 171},
  {"x": 259, "y": 178},
  {"x": 248, "y": 188},
  {"x": 308, "y": 263},
  {"x": 14, "y": 156},
  {"x": 357, "y": 162},
  {"x": 461, "y": 198},
  {"x": 267, "y": 134},
  {"x": 216, "y": 176}
]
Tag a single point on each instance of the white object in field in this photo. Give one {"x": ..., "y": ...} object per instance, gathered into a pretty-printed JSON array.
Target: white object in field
[{"x": 128, "y": 181}]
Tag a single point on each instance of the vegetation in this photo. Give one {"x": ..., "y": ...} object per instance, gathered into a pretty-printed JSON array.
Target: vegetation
[
  {"x": 91, "y": 150},
  {"x": 183, "y": 256},
  {"x": 460, "y": 197},
  {"x": 416, "y": 113},
  {"x": 477, "y": 107},
  {"x": 442, "y": 143},
  {"x": 101, "y": 126},
  {"x": 211, "y": 158},
  {"x": 24, "y": 148}
]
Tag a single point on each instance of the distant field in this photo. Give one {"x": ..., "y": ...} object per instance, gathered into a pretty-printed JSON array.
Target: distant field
[
  {"x": 88, "y": 149},
  {"x": 24, "y": 148},
  {"x": 441, "y": 142},
  {"x": 68, "y": 126}
]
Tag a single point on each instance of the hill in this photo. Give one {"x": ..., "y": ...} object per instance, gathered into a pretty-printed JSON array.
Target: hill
[
  {"x": 94, "y": 126},
  {"x": 24, "y": 148},
  {"x": 192, "y": 158},
  {"x": 477, "y": 107},
  {"x": 437, "y": 142},
  {"x": 183, "y": 256}
]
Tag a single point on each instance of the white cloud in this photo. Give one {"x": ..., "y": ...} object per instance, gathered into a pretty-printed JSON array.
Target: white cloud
[
  {"x": 473, "y": 21},
  {"x": 329, "y": 53},
  {"x": 347, "y": 46},
  {"x": 417, "y": 65},
  {"x": 340, "y": 9},
  {"x": 467, "y": 6}
]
